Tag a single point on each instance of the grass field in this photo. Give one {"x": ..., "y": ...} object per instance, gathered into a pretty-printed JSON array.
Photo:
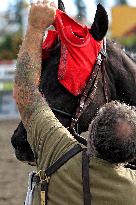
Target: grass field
[{"x": 13, "y": 174}]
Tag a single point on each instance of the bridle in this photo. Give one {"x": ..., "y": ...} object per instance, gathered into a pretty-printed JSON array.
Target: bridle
[{"x": 87, "y": 95}]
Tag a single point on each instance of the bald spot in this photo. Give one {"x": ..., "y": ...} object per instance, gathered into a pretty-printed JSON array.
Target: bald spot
[{"x": 123, "y": 128}]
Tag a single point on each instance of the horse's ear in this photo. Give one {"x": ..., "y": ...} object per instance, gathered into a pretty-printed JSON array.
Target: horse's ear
[
  {"x": 100, "y": 25},
  {"x": 61, "y": 5}
]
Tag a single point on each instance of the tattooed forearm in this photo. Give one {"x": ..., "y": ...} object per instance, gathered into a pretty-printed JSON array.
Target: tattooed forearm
[
  {"x": 27, "y": 79},
  {"x": 28, "y": 72}
]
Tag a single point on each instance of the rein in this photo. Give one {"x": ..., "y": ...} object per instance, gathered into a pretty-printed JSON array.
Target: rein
[
  {"x": 65, "y": 114},
  {"x": 88, "y": 95}
]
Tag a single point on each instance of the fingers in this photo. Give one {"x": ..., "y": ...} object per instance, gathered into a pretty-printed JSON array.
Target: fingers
[
  {"x": 48, "y": 3},
  {"x": 35, "y": 1},
  {"x": 41, "y": 2},
  {"x": 53, "y": 4}
]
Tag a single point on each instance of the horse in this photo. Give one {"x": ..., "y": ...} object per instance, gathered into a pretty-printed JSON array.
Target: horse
[{"x": 118, "y": 78}]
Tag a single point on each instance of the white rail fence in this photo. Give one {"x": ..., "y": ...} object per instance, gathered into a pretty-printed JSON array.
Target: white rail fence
[{"x": 8, "y": 109}]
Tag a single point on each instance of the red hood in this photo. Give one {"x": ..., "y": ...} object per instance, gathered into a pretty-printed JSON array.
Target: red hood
[{"x": 79, "y": 52}]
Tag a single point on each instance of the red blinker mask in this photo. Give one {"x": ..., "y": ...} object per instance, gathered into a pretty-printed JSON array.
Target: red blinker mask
[{"x": 79, "y": 52}]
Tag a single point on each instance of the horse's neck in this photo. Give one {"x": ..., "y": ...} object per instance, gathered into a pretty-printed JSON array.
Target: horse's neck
[
  {"x": 131, "y": 55},
  {"x": 121, "y": 71}
]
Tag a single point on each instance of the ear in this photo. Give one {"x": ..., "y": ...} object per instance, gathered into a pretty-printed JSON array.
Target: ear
[
  {"x": 61, "y": 5},
  {"x": 100, "y": 25}
]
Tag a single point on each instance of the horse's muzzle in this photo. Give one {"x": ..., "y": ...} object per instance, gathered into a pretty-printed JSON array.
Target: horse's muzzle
[{"x": 22, "y": 148}]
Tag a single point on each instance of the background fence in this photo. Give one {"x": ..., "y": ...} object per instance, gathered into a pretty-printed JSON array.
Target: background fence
[{"x": 8, "y": 109}]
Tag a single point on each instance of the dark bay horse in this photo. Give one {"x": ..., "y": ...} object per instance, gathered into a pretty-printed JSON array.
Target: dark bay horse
[{"x": 119, "y": 74}]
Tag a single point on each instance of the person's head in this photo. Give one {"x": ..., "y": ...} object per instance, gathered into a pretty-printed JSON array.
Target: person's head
[{"x": 113, "y": 132}]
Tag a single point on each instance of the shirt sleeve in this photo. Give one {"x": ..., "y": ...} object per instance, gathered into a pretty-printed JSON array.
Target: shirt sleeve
[{"x": 48, "y": 139}]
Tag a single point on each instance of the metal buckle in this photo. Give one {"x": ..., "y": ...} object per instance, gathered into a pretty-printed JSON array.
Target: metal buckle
[
  {"x": 43, "y": 176},
  {"x": 99, "y": 59},
  {"x": 103, "y": 52}
]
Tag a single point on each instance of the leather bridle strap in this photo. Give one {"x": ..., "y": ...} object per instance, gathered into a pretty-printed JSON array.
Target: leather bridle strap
[
  {"x": 88, "y": 94},
  {"x": 86, "y": 178},
  {"x": 65, "y": 114}
]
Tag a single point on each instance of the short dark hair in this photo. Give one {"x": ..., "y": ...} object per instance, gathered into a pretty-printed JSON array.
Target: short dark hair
[{"x": 114, "y": 132}]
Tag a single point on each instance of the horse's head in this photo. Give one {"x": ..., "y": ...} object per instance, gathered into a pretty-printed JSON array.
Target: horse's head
[
  {"x": 22, "y": 148},
  {"x": 56, "y": 95}
]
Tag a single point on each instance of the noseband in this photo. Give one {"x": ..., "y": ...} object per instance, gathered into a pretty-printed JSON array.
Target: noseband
[{"x": 87, "y": 95}]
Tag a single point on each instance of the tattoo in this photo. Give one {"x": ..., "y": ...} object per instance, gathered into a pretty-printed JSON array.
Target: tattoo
[
  {"x": 28, "y": 72},
  {"x": 27, "y": 78}
]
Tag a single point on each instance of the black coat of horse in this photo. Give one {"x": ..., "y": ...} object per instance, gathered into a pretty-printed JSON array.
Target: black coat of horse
[{"x": 120, "y": 76}]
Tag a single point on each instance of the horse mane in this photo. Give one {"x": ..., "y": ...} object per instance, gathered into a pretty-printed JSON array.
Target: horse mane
[
  {"x": 120, "y": 53},
  {"x": 122, "y": 48},
  {"x": 122, "y": 70},
  {"x": 131, "y": 55}
]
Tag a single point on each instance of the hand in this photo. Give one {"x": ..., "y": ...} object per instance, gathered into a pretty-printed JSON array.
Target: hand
[{"x": 42, "y": 15}]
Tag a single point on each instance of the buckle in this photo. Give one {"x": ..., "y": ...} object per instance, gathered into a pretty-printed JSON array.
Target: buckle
[
  {"x": 43, "y": 177},
  {"x": 103, "y": 53},
  {"x": 99, "y": 59}
]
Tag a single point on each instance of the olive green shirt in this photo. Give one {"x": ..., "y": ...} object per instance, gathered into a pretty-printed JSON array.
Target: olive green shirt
[{"x": 109, "y": 184}]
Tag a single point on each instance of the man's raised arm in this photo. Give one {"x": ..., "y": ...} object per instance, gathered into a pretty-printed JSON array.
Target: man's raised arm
[{"x": 28, "y": 66}]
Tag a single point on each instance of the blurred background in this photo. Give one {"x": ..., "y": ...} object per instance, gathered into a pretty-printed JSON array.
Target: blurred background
[{"x": 13, "y": 23}]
